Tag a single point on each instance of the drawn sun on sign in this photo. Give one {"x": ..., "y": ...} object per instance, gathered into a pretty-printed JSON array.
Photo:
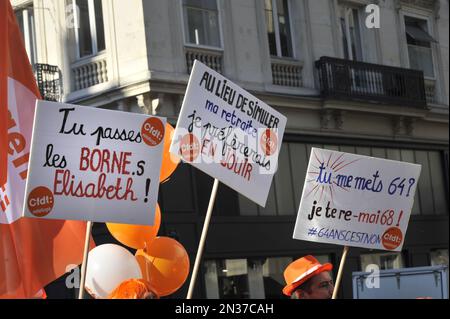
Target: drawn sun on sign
[{"x": 324, "y": 175}]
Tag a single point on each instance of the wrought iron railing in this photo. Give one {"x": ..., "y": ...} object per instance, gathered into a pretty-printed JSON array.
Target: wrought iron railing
[
  {"x": 345, "y": 79},
  {"x": 49, "y": 81}
]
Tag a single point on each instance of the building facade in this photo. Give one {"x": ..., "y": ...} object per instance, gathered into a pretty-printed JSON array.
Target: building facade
[{"x": 342, "y": 83}]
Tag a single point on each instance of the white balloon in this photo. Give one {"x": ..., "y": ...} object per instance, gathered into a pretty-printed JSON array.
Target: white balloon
[{"x": 108, "y": 266}]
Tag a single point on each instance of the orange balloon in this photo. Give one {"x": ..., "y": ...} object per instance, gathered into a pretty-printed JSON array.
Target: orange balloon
[
  {"x": 136, "y": 236},
  {"x": 169, "y": 161},
  {"x": 165, "y": 265}
]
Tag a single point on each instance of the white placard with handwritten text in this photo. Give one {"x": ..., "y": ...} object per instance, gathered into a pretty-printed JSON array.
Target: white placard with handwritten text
[
  {"x": 356, "y": 200},
  {"x": 229, "y": 134},
  {"x": 94, "y": 165}
]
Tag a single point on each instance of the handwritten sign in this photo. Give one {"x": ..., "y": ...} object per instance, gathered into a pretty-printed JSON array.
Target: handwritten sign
[
  {"x": 355, "y": 200},
  {"x": 229, "y": 134},
  {"x": 93, "y": 164}
]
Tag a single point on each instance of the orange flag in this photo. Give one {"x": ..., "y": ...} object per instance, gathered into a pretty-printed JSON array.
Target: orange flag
[
  {"x": 33, "y": 252},
  {"x": 3, "y": 92}
]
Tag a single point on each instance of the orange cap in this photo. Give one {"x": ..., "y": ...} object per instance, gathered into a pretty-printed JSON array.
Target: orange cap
[{"x": 300, "y": 270}]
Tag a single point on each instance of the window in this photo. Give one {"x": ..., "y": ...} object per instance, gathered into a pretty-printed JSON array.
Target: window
[
  {"x": 419, "y": 46},
  {"x": 382, "y": 260},
  {"x": 351, "y": 34},
  {"x": 89, "y": 28},
  {"x": 201, "y": 22},
  {"x": 227, "y": 279},
  {"x": 439, "y": 257},
  {"x": 273, "y": 270},
  {"x": 25, "y": 18},
  {"x": 278, "y": 28}
]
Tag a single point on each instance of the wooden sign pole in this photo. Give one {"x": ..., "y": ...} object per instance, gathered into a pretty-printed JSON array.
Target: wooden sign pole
[
  {"x": 203, "y": 238},
  {"x": 340, "y": 272},
  {"x": 85, "y": 259}
]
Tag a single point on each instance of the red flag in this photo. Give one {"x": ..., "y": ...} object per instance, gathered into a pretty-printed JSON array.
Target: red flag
[
  {"x": 3, "y": 91},
  {"x": 33, "y": 252}
]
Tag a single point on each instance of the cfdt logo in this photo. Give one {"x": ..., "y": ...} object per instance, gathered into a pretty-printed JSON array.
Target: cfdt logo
[{"x": 373, "y": 17}]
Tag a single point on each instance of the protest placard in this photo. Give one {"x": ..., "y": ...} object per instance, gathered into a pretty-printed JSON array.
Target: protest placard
[
  {"x": 93, "y": 164},
  {"x": 229, "y": 134},
  {"x": 355, "y": 200}
]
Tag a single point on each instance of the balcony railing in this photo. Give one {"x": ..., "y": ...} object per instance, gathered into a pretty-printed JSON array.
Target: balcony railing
[
  {"x": 350, "y": 80},
  {"x": 211, "y": 58},
  {"x": 286, "y": 72},
  {"x": 90, "y": 72},
  {"x": 49, "y": 82},
  {"x": 430, "y": 91}
]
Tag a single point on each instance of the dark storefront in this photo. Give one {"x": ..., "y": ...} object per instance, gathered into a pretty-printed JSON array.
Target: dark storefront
[{"x": 248, "y": 246}]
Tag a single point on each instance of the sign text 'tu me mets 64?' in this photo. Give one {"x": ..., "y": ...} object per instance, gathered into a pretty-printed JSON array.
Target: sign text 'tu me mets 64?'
[{"x": 355, "y": 200}]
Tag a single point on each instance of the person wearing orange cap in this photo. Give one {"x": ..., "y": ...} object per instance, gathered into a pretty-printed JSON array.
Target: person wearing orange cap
[
  {"x": 307, "y": 278},
  {"x": 134, "y": 289}
]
